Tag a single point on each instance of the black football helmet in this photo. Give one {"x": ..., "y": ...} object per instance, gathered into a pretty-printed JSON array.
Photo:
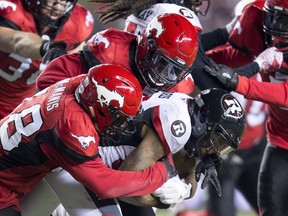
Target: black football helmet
[
  {"x": 218, "y": 123},
  {"x": 55, "y": 25},
  {"x": 275, "y": 26},
  {"x": 275, "y": 22}
]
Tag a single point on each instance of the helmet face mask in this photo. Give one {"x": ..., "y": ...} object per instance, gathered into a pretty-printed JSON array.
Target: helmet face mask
[
  {"x": 112, "y": 97},
  {"x": 215, "y": 141},
  {"x": 218, "y": 123},
  {"x": 163, "y": 72},
  {"x": 50, "y": 14},
  {"x": 121, "y": 124},
  {"x": 166, "y": 52},
  {"x": 275, "y": 21}
]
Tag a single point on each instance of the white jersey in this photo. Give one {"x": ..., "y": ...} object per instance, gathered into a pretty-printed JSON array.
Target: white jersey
[
  {"x": 171, "y": 119},
  {"x": 136, "y": 23}
]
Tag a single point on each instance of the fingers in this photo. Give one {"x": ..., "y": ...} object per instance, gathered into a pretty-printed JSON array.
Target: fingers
[
  {"x": 211, "y": 175},
  {"x": 213, "y": 64},
  {"x": 217, "y": 186},
  {"x": 198, "y": 175},
  {"x": 210, "y": 70}
]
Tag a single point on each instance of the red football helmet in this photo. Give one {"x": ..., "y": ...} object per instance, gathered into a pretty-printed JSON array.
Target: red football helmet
[
  {"x": 166, "y": 51},
  {"x": 55, "y": 24},
  {"x": 112, "y": 96},
  {"x": 276, "y": 18}
]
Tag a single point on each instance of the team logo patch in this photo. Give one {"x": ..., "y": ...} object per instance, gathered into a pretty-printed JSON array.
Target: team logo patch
[
  {"x": 101, "y": 39},
  {"x": 156, "y": 28},
  {"x": 84, "y": 140},
  {"x": 231, "y": 107},
  {"x": 178, "y": 128},
  {"x": 186, "y": 13},
  {"x": 6, "y": 4},
  {"x": 105, "y": 96}
]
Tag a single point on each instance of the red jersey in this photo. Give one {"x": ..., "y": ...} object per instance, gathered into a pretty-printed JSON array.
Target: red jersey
[
  {"x": 110, "y": 46},
  {"x": 248, "y": 36},
  {"x": 51, "y": 130},
  {"x": 246, "y": 41},
  {"x": 18, "y": 74}
]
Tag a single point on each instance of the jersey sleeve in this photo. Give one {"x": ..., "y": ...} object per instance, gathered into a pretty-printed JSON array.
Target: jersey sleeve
[
  {"x": 254, "y": 90},
  {"x": 171, "y": 120},
  {"x": 247, "y": 34},
  {"x": 229, "y": 56},
  {"x": 63, "y": 67},
  {"x": 78, "y": 27},
  {"x": 76, "y": 133},
  {"x": 108, "y": 183}
]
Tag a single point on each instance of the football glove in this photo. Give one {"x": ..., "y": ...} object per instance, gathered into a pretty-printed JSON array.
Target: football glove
[
  {"x": 224, "y": 74},
  {"x": 210, "y": 166},
  {"x": 173, "y": 191},
  {"x": 55, "y": 50},
  {"x": 269, "y": 59}
]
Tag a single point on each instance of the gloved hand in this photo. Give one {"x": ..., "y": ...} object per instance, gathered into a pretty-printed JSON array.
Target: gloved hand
[
  {"x": 230, "y": 26},
  {"x": 269, "y": 59},
  {"x": 210, "y": 166},
  {"x": 173, "y": 191},
  {"x": 45, "y": 45},
  {"x": 172, "y": 172},
  {"x": 55, "y": 50},
  {"x": 224, "y": 74}
]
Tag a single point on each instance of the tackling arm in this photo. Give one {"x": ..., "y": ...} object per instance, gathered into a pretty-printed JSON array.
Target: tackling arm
[{"x": 145, "y": 155}]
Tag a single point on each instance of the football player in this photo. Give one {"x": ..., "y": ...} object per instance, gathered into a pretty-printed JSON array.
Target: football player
[
  {"x": 61, "y": 127},
  {"x": 28, "y": 29},
  {"x": 268, "y": 29}
]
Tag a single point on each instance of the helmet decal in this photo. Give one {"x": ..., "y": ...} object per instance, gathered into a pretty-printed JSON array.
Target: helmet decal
[
  {"x": 232, "y": 107},
  {"x": 105, "y": 96},
  {"x": 101, "y": 39},
  {"x": 6, "y": 4},
  {"x": 186, "y": 13},
  {"x": 84, "y": 140},
  {"x": 178, "y": 128},
  {"x": 156, "y": 29}
]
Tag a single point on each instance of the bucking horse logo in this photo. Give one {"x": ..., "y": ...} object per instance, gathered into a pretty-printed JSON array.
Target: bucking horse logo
[
  {"x": 105, "y": 96},
  {"x": 84, "y": 140}
]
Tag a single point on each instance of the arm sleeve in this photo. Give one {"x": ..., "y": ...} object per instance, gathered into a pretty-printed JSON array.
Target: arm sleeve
[
  {"x": 106, "y": 182},
  {"x": 202, "y": 79},
  {"x": 212, "y": 39},
  {"x": 248, "y": 70},
  {"x": 270, "y": 93},
  {"x": 63, "y": 67}
]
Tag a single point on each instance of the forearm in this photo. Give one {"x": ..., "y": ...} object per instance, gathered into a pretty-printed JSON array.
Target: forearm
[
  {"x": 248, "y": 70},
  {"x": 25, "y": 44},
  {"x": 145, "y": 155},
  {"x": 254, "y": 90},
  {"x": 145, "y": 201},
  {"x": 186, "y": 167},
  {"x": 212, "y": 39}
]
